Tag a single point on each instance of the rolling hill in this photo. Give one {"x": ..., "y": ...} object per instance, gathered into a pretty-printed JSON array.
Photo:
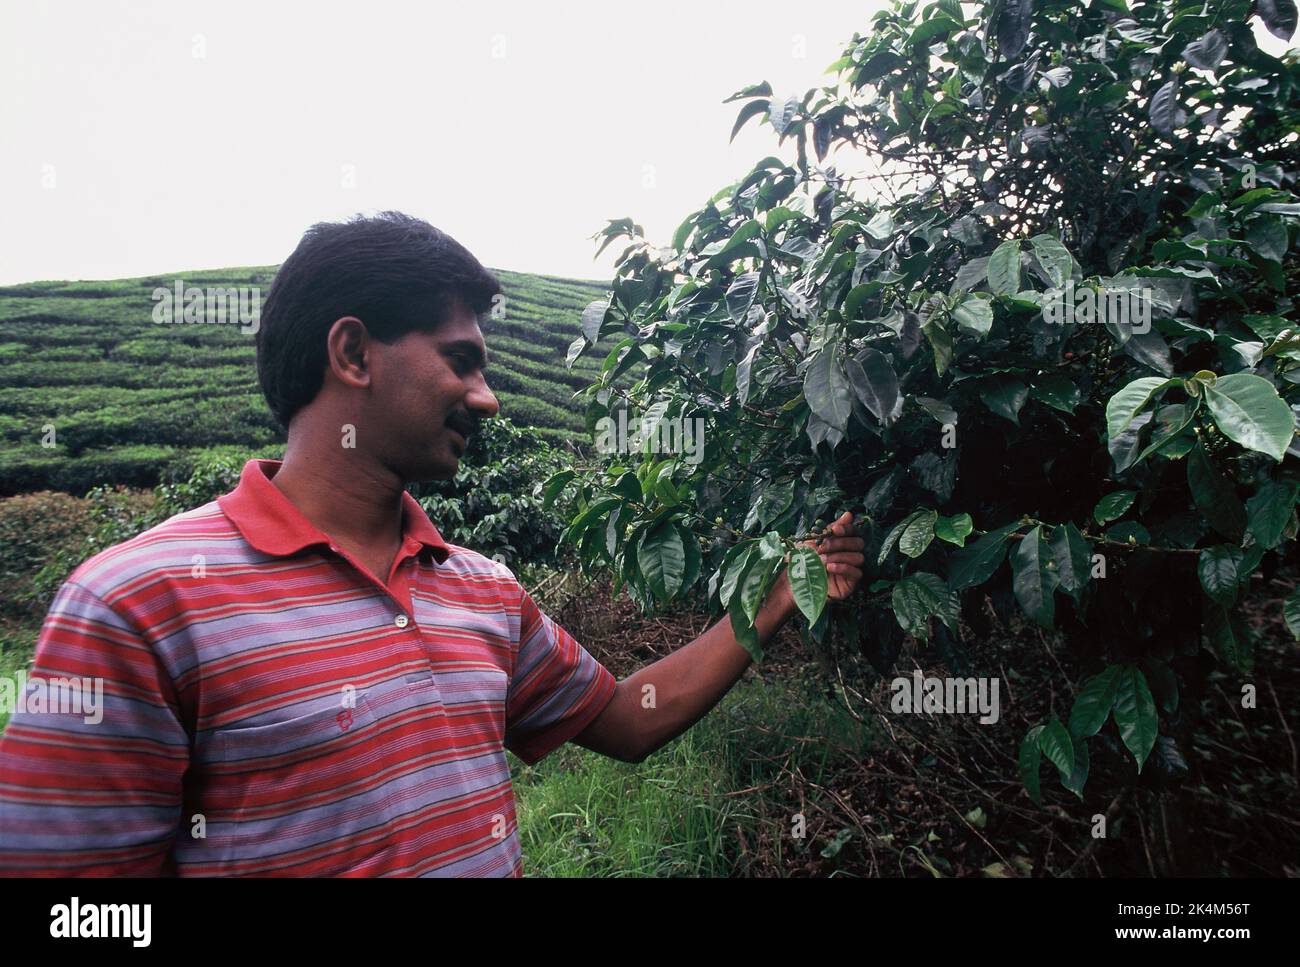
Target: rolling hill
[{"x": 127, "y": 397}]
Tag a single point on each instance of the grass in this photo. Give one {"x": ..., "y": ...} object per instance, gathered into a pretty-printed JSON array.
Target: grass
[{"x": 694, "y": 807}]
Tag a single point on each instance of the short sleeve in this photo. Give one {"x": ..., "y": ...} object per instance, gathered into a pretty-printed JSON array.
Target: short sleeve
[
  {"x": 92, "y": 763},
  {"x": 556, "y": 689}
]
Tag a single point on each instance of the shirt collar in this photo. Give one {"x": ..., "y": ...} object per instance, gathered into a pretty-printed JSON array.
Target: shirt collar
[{"x": 270, "y": 522}]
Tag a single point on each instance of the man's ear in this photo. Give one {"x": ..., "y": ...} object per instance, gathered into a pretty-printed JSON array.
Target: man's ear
[{"x": 347, "y": 346}]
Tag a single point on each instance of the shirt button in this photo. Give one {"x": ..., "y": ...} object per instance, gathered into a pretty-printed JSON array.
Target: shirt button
[{"x": 401, "y": 621}]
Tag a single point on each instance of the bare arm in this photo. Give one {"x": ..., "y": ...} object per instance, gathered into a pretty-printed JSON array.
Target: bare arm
[{"x": 662, "y": 700}]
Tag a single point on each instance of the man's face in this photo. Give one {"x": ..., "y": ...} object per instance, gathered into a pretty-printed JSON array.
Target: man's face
[{"x": 428, "y": 396}]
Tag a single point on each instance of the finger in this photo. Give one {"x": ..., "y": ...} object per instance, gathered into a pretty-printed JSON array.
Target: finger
[
  {"x": 843, "y": 524},
  {"x": 834, "y": 544},
  {"x": 845, "y": 557},
  {"x": 845, "y": 572}
]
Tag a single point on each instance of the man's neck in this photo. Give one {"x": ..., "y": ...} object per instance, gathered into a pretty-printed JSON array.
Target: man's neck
[{"x": 357, "y": 504}]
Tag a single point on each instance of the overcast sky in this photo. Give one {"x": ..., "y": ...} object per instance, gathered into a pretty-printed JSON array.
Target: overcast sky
[{"x": 146, "y": 138}]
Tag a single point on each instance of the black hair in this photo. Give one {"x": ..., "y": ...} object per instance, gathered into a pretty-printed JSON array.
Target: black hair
[{"x": 394, "y": 272}]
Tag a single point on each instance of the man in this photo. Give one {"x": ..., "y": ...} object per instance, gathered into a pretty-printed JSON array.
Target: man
[{"x": 302, "y": 677}]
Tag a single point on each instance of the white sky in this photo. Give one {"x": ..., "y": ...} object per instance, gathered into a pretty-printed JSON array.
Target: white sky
[
  {"x": 187, "y": 135},
  {"x": 165, "y": 161}
]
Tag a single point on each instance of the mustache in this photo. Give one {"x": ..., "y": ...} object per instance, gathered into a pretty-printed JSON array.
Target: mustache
[{"x": 464, "y": 424}]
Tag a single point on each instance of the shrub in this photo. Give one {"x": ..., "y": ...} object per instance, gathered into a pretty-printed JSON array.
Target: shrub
[
  {"x": 901, "y": 352},
  {"x": 495, "y": 505}
]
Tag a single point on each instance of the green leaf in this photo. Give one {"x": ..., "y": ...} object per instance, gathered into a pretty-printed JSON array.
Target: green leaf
[
  {"x": 1163, "y": 110},
  {"x": 1135, "y": 713},
  {"x": 694, "y": 559},
  {"x": 974, "y": 315},
  {"x": 553, "y": 486},
  {"x": 1030, "y": 757},
  {"x": 747, "y": 112},
  {"x": 1230, "y": 636},
  {"x": 614, "y": 532},
  {"x": 920, "y": 595},
  {"x": 1207, "y": 52},
  {"x": 1268, "y": 511},
  {"x": 1005, "y": 396},
  {"x": 594, "y": 511},
  {"x": 743, "y": 629},
  {"x": 1129, "y": 532},
  {"x": 1279, "y": 17},
  {"x": 1094, "y": 702},
  {"x": 827, "y": 389},
  {"x": 1053, "y": 257},
  {"x": 1032, "y": 580},
  {"x": 1291, "y": 613},
  {"x": 1113, "y": 506},
  {"x": 881, "y": 226},
  {"x": 592, "y": 317},
  {"x": 733, "y": 570},
  {"x": 1170, "y": 421},
  {"x": 1058, "y": 392},
  {"x": 918, "y": 534},
  {"x": 662, "y": 559},
  {"x": 1248, "y": 411},
  {"x": 1010, "y": 21},
  {"x": 896, "y": 532},
  {"x": 876, "y": 385},
  {"x": 740, "y": 295},
  {"x": 1219, "y": 569},
  {"x": 744, "y": 371},
  {"x": 763, "y": 89},
  {"x": 1073, "y": 558},
  {"x": 1215, "y": 497},
  {"x": 1269, "y": 237},
  {"x": 955, "y": 529},
  {"x": 1076, "y": 779},
  {"x": 1164, "y": 684},
  {"x": 575, "y": 350},
  {"x": 808, "y": 582},
  {"x": 975, "y": 563},
  {"x": 1056, "y": 744},
  {"x": 941, "y": 342},
  {"x": 1004, "y": 268},
  {"x": 779, "y": 216},
  {"x": 753, "y": 590},
  {"x": 771, "y": 548},
  {"x": 1125, "y": 405}
]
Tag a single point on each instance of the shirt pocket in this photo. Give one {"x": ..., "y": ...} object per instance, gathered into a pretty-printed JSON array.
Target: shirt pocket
[
  {"x": 475, "y": 695},
  {"x": 289, "y": 793}
]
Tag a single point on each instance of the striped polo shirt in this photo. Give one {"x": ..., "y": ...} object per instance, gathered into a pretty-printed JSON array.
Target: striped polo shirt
[{"x": 272, "y": 708}]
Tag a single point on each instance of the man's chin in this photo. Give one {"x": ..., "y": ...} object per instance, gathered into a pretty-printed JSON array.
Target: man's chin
[
  {"x": 435, "y": 472},
  {"x": 430, "y": 471}
]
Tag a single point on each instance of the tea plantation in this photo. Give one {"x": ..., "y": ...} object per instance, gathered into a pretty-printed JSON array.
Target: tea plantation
[{"x": 94, "y": 391}]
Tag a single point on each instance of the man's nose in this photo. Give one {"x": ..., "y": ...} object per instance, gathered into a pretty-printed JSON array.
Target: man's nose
[{"x": 481, "y": 401}]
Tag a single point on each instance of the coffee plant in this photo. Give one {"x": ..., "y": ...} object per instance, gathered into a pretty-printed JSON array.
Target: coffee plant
[
  {"x": 1018, "y": 296},
  {"x": 494, "y": 504}
]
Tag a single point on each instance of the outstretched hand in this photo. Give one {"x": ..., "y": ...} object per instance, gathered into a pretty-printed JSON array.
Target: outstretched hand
[{"x": 840, "y": 549}]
